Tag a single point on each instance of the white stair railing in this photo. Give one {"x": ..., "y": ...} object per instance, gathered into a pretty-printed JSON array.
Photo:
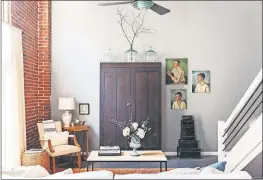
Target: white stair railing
[
  {"x": 250, "y": 144},
  {"x": 252, "y": 88}
]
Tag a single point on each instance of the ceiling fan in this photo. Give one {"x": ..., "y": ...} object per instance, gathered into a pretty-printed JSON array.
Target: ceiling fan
[{"x": 140, "y": 4}]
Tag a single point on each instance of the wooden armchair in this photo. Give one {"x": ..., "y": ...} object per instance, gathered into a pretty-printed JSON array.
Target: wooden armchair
[{"x": 59, "y": 150}]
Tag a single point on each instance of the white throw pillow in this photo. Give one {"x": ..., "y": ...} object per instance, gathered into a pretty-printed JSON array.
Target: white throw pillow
[
  {"x": 210, "y": 170},
  {"x": 59, "y": 138}
]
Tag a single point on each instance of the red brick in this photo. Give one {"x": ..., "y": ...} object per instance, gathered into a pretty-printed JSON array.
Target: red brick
[{"x": 34, "y": 19}]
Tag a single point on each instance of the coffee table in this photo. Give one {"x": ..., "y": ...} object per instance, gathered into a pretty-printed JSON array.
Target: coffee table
[{"x": 145, "y": 156}]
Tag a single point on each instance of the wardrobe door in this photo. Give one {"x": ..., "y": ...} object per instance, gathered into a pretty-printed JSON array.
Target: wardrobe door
[
  {"x": 146, "y": 101},
  {"x": 114, "y": 95}
]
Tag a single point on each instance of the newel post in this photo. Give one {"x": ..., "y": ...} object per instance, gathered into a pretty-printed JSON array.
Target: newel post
[{"x": 221, "y": 146}]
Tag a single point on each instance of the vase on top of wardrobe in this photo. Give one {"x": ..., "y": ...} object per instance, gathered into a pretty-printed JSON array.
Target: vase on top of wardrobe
[
  {"x": 109, "y": 56},
  {"x": 151, "y": 55}
]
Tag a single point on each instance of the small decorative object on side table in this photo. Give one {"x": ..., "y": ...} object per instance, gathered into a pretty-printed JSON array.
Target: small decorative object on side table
[
  {"x": 80, "y": 128},
  {"x": 82, "y": 123}
]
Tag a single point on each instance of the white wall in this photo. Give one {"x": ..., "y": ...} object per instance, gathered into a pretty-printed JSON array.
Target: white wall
[{"x": 223, "y": 37}]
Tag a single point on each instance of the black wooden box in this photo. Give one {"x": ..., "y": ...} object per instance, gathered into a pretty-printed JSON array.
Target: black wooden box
[
  {"x": 187, "y": 133},
  {"x": 187, "y": 129},
  {"x": 188, "y": 143},
  {"x": 187, "y": 122},
  {"x": 188, "y": 126},
  {"x": 188, "y": 152},
  {"x": 187, "y": 117},
  {"x": 187, "y": 137}
]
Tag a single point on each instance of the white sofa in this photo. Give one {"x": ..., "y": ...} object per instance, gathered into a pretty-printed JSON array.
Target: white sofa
[
  {"x": 37, "y": 172},
  {"x": 234, "y": 175}
]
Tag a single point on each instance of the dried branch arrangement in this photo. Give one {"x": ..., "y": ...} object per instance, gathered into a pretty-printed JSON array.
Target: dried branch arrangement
[{"x": 133, "y": 26}]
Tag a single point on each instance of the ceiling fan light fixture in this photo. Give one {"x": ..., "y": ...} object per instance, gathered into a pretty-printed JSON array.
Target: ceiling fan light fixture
[{"x": 143, "y": 4}]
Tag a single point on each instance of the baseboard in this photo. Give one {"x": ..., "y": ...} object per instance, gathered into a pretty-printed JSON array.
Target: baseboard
[
  {"x": 202, "y": 153},
  {"x": 175, "y": 153}
]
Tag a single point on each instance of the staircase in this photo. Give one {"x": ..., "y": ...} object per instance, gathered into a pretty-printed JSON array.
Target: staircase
[{"x": 250, "y": 143}]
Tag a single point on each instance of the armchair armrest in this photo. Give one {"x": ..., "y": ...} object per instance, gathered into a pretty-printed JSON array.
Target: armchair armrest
[
  {"x": 75, "y": 140},
  {"x": 50, "y": 147}
]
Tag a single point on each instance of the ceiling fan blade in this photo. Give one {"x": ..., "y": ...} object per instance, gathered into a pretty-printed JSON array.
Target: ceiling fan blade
[
  {"x": 115, "y": 3},
  {"x": 159, "y": 9}
]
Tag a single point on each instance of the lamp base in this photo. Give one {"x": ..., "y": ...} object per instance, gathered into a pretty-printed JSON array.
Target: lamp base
[{"x": 66, "y": 118}]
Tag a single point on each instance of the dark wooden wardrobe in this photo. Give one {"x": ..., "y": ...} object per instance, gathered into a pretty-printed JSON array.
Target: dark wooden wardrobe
[{"x": 135, "y": 83}]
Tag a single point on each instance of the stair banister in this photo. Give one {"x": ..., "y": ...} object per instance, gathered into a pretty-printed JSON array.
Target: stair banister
[{"x": 254, "y": 85}]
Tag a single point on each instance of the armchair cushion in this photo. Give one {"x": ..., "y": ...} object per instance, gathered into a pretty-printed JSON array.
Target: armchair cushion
[{"x": 63, "y": 150}]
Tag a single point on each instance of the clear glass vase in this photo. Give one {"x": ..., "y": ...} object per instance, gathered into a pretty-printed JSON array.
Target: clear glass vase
[
  {"x": 109, "y": 56},
  {"x": 131, "y": 55},
  {"x": 151, "y": 55},
  {"x": 135, "y": 144}
]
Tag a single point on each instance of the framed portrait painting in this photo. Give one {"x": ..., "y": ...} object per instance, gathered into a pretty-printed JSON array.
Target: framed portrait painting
[
  {"x": 178, "y": 99},
  {"x": 176, "y": 70},
  {"x": 201, "y": 82}
]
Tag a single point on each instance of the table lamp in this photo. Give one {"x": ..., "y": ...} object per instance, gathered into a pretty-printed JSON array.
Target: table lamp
[{"x": 67, "y": 104}]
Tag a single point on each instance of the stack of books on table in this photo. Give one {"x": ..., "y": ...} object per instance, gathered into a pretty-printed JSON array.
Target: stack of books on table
[
  {"x": 32, "y": 151},
  {"x": 109, "y": 151}
]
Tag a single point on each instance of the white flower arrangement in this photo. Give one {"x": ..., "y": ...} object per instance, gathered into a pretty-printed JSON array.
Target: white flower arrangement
[
  {"x": 135, "y": 125},
  {"x": 130, "y": 128},
  {"x": 126, "y": 131},
  {"x": 140, "y": 133}
]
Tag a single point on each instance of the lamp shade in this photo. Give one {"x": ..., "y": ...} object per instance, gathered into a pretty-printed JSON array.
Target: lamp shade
[{"x": 66, "y": 103}]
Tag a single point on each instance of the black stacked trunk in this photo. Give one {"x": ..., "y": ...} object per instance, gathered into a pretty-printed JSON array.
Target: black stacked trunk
[{"x": 188, "y": 145}]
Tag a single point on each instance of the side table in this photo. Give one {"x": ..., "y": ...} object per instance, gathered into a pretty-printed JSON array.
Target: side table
[{"x": 85, "y": 140}]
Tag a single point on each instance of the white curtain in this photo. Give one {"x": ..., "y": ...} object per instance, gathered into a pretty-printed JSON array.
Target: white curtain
[{"x": 13, "y": 101}]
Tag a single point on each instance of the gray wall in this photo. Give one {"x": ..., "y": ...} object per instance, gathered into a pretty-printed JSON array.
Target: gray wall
[{"x": 223, "y": 37}]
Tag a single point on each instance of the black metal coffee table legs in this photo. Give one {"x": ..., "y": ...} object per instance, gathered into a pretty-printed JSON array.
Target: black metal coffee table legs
[
  {"x": 88, "y": 166},
  {"x": 161, "y": 168}
]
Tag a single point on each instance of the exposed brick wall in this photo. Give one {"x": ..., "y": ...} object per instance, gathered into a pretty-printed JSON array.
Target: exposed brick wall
[
  {"x": 32, "y": 18},
  {"x": 44, "y": 57}
]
